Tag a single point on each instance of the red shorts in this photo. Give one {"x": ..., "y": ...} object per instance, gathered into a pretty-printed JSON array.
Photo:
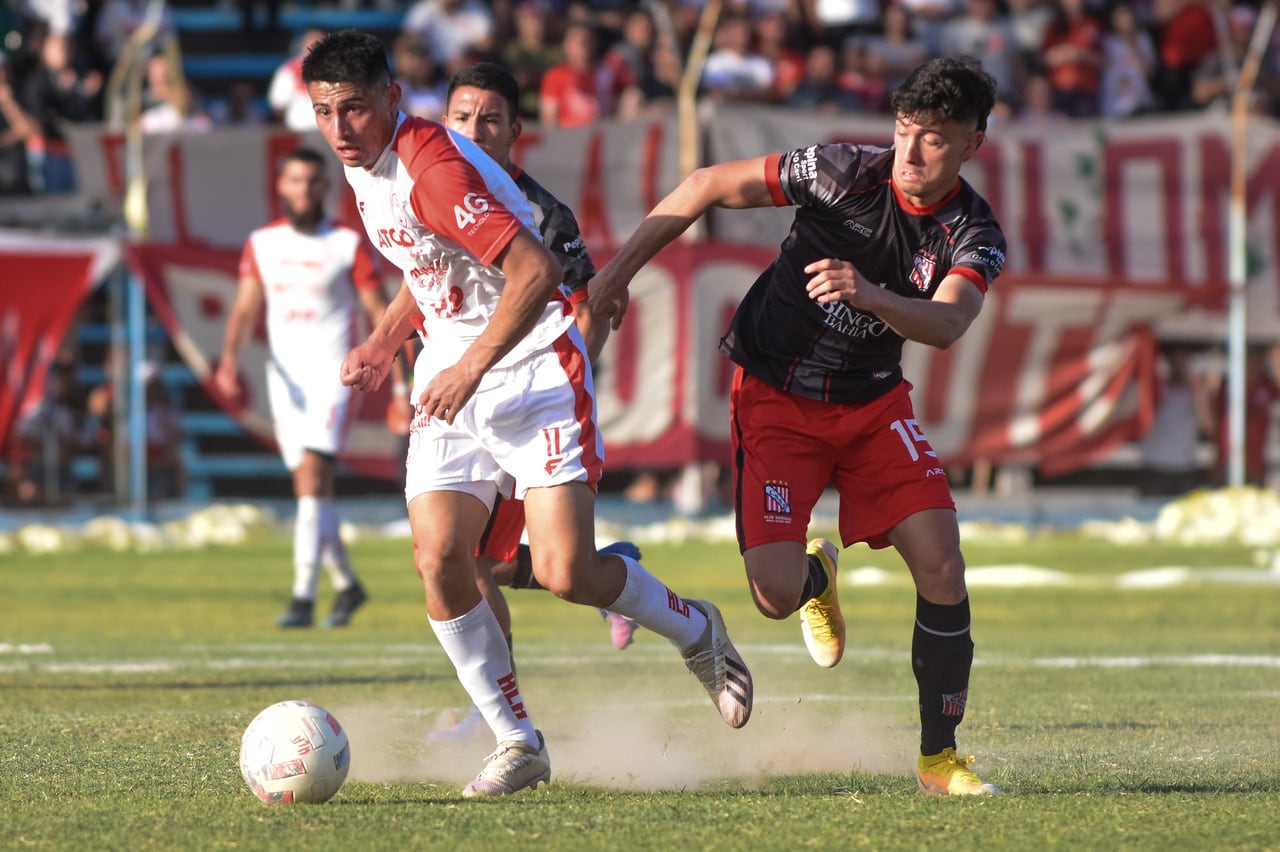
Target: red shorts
[
  {"x": 501, "y": 537},
  {"x": 787, "y": 449}
]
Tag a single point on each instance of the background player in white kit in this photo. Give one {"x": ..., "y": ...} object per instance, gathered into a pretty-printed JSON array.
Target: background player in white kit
[
  {"x": 315, "y": 277},
  {"x": 502, "y": 391}
]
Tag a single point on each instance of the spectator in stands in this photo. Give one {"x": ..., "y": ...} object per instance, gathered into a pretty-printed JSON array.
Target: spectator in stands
[
  {"x": 529, "y": 54},
  {"x": 1128, "y": 67},
  {"x": 820, "y": 89},
  {"x": 453, "y": 29},
  {"x": 733, "y": 71},
  {"x": 1187, "y": 37},
  {"x": 248, "y": 15},
  {"x": 1169, "y": 462},
  {"x": 928, "y": 17},
  {"x": 863, "y": 74},
  {"x": 1213, "y": 82},
  {"x": 900, "y": 51},
  {"x": 984, "y": 31},
  {"x": 656, "y": 94},
  {"x": 1073, "y": 58},
  {"x": 56, "y": 92},
  {"x": 1037, "y": 105},
  {"x": 16, "y": 127},
  {"x": 287, "y": 95},
  {"x": 1261, "y": 393},
  {"x": 628, "y": 62},
  {"x": 171, "y": 106},
  {"x": 424, "y": 88},
  {"x": 832, "y": 21},
  {"x": 570, "y": 90},
  {"x": 239, "y": 108},
  {"x": 118, "y": 20},
  {"x": 773, "y": 41},
  {"x": 165, "y": 478},
  {"x": 46, "y": 439},
  {"x": 1029, "y": 19}
]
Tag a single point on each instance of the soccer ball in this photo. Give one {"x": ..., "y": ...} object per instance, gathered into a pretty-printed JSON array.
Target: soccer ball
[{"x": 294, "y": 751}]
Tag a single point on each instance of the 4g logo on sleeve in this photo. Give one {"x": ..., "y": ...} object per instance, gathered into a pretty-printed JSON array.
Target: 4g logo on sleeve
[{"x": 471, "y": 213}]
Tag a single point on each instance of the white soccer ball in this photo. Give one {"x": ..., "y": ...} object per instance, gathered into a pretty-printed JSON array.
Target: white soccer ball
[{"x": 294, "y": 751}]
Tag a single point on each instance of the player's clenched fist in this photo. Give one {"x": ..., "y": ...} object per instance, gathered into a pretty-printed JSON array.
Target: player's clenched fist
[{"x": 366, "y": 367}]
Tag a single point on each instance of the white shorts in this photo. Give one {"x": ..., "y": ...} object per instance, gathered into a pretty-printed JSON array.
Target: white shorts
[
  {"x": 310, "y": 416},
  {"x": 529, "y": 425}
]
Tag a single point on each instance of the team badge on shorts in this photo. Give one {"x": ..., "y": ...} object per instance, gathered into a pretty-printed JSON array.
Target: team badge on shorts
[{"x": 777, "y": 502}]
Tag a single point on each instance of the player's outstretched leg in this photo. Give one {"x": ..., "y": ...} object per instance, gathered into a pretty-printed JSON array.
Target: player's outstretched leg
[
  {"x": 821, "y": 623},
  {"x": 512, "y": 766},
  {"x": 621, "y": 629},
  {"x": 947, "y": 774}
]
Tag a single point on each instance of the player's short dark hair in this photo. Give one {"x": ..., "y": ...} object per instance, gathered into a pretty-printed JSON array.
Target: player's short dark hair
[
  {"x": 491, "y": 77},
  {"x": 347, "y": 56},
  {"x": 306, "y": 155},
  {"x": 949, "y": 88}
]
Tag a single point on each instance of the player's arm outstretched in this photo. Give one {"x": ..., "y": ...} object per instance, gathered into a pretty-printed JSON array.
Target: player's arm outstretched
[
  {"x": 250, "y": 298},
  {"x": 366, "y": 367},
  {"x": 739, "y": 184},
  {"x": 939, "y": 321}
]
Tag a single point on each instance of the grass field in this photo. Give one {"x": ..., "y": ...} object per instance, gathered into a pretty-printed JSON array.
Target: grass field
[{"x": 1122, "y": 697}]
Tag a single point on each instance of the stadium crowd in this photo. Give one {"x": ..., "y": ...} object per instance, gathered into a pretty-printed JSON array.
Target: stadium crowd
[{"x": 580, "y": 61}]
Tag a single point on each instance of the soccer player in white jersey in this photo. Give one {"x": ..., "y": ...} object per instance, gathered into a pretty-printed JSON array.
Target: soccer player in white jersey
[
  {"x": 502, "y": 394},
  {"x": 314, "y": 277}
]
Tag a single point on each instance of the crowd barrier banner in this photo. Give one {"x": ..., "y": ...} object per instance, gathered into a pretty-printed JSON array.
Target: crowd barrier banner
[
  {"x": 192, "y": 291},
  {"x": 1116, "y": 230},
  {"x": 44, "y": 280}
]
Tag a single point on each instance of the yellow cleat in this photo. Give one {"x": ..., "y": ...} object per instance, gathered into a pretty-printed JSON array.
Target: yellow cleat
[
  {"x": 821, "y": 623},
  {"x": 945, "y": 774}
]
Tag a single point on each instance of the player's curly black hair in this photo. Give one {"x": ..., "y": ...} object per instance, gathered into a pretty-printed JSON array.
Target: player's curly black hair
[
  {"x": 347, "y": 56},
  {"x": 949, "y": 88}
]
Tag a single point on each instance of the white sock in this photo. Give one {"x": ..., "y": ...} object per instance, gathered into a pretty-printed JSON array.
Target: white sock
[
  {"x": 649, "y": 603},
  {"x": 475, "y": 645},
  {"x": 306, "y": 548},
  {"x": 333, "y": 553}
]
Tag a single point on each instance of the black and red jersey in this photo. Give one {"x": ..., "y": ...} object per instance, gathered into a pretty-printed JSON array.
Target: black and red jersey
[{"x": 849, "y": 209}]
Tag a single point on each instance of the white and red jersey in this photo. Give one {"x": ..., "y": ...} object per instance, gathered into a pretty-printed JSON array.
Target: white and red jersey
[
  {"x": 442, "y": 210},
  {"x": 309, "y": 282}
]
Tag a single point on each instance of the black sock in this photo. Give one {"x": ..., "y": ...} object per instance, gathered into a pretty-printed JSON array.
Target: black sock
[
  {"x": 523, "y": 578},
  {"x": 941, "y": 657},
  {"x": 815, "y": 583}
]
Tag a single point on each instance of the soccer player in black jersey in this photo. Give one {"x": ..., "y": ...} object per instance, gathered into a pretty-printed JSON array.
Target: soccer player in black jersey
[
  {"x": 887, "y": 244},
  {"x": 481, "y": 104}
]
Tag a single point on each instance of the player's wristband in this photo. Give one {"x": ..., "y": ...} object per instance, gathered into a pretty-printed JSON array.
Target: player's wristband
[{"x": 400, "y": 389}]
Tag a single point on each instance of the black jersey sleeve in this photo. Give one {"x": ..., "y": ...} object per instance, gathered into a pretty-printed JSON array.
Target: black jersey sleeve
[
  {"x": 820, "y": 175},
  {"x": 560, "y": 233}
]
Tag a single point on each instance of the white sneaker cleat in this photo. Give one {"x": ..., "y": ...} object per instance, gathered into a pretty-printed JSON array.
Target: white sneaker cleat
[
  {"x": 512, "y": 766},
  {"x": 719, "y": 668}
]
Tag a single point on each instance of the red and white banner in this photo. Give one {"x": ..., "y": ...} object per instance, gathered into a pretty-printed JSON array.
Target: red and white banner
[
  {"x": 192, "y": 291},
  {"x": 43, "y": 282},
  {"x": 1115, "y": 230}
]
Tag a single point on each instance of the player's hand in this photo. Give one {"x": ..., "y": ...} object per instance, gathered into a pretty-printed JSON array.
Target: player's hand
[
  {"x": 448, "y": 391},
  {"x": 832, "y": 281},
  {"x": 607, "y": 296},
  {"x": 225, "y": 380},
  {"x": 366, "y": 367}
]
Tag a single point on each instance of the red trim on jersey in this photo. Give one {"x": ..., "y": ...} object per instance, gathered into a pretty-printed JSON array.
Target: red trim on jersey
[
  {"x": 922, "y": 211},
  {"x": 364, "y": 269},
  {"x": 576, "y": 297},
  {"x": 773, "y": 181},
  {"x": 249, "y": 261},
  {"x": 979, "y": 280},
  {"x": 442, "y": 178},
  {"x": 574, "y": 362}
]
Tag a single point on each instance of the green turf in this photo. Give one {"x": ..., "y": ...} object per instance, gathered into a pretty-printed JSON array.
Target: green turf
[{"x": 1112, "y": 717}]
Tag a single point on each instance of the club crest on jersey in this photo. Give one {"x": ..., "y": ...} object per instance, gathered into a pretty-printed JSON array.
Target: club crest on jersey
[
  {"x": 397, "y": 212},
  {"x": 777, "y": 502},
  {"x": 922, "y": 270}
]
